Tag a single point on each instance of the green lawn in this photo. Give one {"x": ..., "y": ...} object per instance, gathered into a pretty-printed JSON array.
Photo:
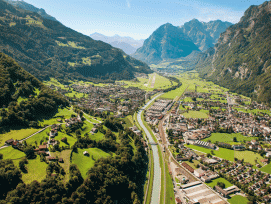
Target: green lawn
[
  {"x": 249, "y": 156},
  {"x": 195, "y": 114},
  {"x": 215, "y": 181},
  {"x": 193, "y": 164},
  {"x": 222, "y": 152},
  {"x": 36, "y": 171},
  {"x": 227, "y": 138},
  {"x": 65, "y": 154},
  {"x": 229, "y": 154},
  {"x": 237, "y": 199},
  {"x": 16, "y": 134},
  {"x": 267, "y": 169},
  {"x": 84, "y": 163},
  {"x": 71, "y": 139}
]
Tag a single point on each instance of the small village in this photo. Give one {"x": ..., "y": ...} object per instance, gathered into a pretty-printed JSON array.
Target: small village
[{"x": 112, "y": 98}]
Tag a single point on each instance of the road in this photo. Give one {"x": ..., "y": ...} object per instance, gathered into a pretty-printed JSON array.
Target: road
[{"x": 155, "y": 198}]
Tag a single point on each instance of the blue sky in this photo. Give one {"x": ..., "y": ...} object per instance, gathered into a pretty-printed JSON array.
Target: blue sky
[{"x": 139, "y": 18}]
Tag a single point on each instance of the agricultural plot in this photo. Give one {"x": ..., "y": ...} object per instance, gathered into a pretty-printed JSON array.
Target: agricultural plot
[
  {"x": 36, "y": 170},
  {"x": 175, "y": 93},
  {"x": 65, "y": 155},
  {"x": 84, "y": 163},
  {"x": 17, "y": 134},
  {"x": 38, "y": 138},
  {"x": 11, "y": 153}
]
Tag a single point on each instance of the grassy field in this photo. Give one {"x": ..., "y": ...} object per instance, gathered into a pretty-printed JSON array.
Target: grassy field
[
  {"x": 249, "y": 156},
  {"x": 215, "y": 181},
  {"x": 64, "y": 113},
  {"x": 175, "y": 93},
  {"x": 39, "y": 138},
  {"x": 128, "y": 121},
  {"x": 195, "y": 114},
  {"x": 222, "y": 152},
  {"x": 11, "y": 153},
  {"x": 228, "y": 154},
  {"x": 71, "y": 139},
  {"x": 17, "y": 134},
  {"x": 193, "y": 164},
  {"x": 267, "y": 169},
  {"x": 36, "y": 171},
  {"x": 228, "y": 138},
  {"x": 84, "y": 163},
  {"x": 237, "y": 199},
  {"x": 65, "y": 154}
]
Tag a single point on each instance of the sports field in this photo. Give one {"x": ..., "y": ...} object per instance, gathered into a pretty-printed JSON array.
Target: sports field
[
  {"x": 237, "y": 199},
  {"x": 215, "y": 181},
  {"x": 228, "y": 138},
  {"x": 195, "y": 114}
]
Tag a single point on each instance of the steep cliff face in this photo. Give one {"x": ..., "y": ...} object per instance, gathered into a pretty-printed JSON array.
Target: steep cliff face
[
  {"x": 242, "y": 57},
  {"x": 166, "y": 43},
  {"x": 204, "y": 35}
]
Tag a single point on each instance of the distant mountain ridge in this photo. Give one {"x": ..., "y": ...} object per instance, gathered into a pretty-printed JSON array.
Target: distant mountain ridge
[
  {"x": 127, "y": 44},
  {"x": 47, "y": 48},
  {"x": 166, "y": 43},
  {"x": 26, "y": 6},
  {"x": 241, "y": 60},
  {"x": 204, "y": 35}
]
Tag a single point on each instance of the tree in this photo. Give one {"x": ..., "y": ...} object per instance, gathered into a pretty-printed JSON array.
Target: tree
[
  {"x": 234, "y": 139},
  {"x": 1, "y": 156},
  {"x": 29, "y": 152}
]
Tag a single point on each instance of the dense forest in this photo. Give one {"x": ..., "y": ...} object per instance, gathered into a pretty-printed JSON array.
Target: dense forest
[
  {"x": 117, "y": 179},
  {"x": 23, "y": 98},
  {"x": 46, "y": 48}
]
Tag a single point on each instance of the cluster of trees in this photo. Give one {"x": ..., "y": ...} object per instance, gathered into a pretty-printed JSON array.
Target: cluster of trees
[
  {"x": 117, "y": 179},
  {"x": 38, "y": 99}
]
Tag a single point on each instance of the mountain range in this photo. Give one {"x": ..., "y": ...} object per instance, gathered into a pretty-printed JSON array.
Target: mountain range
[
  {"x": 170, "y": 42},
  {"x": 46, "y": 48},
  {"x": 203, "y": 34},
  {"x": 165, "y": 43},
  {"x": 127, "y": 44},
  {"x": 23, "y": 5},
  {"x": 240, "y": 60}
]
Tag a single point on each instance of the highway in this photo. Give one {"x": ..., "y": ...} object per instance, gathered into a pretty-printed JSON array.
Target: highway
[{"x": 155, "y": 199}]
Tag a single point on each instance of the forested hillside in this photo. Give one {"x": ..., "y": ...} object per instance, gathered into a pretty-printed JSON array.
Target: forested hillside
[
  {"x": 240, "y": 60},
  {"x": 23, "y": 98},
  {"x": 46, "y": 48}
]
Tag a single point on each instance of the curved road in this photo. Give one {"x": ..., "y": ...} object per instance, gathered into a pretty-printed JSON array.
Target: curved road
[{"x": 155, "y": 199}]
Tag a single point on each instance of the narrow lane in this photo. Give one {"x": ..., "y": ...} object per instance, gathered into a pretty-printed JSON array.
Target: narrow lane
[{"x": 155, "y": 199}]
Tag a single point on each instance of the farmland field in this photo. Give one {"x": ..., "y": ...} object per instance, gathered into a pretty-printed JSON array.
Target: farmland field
[
  {"x": 84, "y": 163},
  {"x": 65, "y": 155},
  {"x": 17, "y": 134},
  {"x": 36, "y": 170},
  {"x": 11, "y": 153},
  {"x": 174, "y": 93}
]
